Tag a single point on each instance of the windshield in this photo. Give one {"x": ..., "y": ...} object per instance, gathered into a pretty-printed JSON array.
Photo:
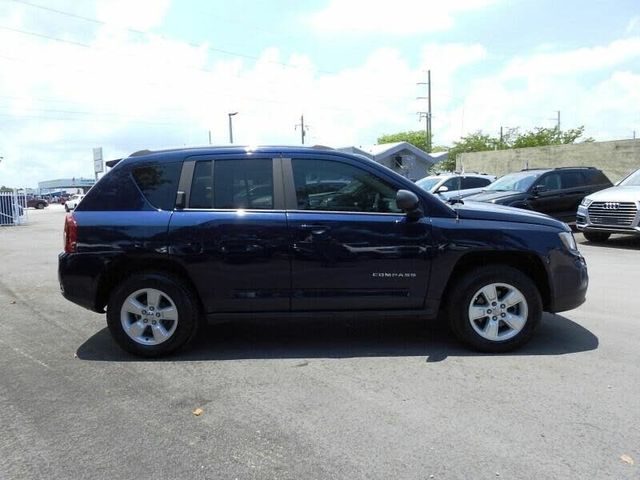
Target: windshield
[
  {"x": 428, "y": 183},
  {"x": 632, "y": 180},
  {"x": 519, "y": 182}
]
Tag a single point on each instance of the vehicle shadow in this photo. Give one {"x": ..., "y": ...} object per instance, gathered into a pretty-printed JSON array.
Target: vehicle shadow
[{"x": 361, "y": 337}]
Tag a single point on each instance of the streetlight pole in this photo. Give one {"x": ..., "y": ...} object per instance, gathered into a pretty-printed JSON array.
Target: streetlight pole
[{"x": 231, "y": 126}]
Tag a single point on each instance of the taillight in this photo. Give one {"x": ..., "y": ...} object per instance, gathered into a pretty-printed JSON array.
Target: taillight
[{"x": 70, "y": 233}]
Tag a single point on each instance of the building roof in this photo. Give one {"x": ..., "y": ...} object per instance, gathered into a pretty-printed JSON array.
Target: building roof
[{"x": 383, "y": 150}]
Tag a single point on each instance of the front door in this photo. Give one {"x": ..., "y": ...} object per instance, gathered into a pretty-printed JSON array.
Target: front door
[{"x": 353, "y": 249}]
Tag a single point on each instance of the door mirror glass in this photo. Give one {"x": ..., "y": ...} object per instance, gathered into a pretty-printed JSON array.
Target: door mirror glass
[
  {"x": 539, "y": 189},
  {"x": 442, "y": 189}
]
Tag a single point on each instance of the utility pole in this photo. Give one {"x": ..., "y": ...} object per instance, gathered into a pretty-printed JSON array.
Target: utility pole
[
  {"x": 427, "y": 115},
  {"x": 303, "y": 128},
  {"x": 231, "y": 126},
  {"x": 557, "y": 119}
]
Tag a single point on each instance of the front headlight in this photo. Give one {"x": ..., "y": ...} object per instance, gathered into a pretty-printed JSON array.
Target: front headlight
[
  {"x": 586, "y": 201},
  {"x": 569, "y": 241}
]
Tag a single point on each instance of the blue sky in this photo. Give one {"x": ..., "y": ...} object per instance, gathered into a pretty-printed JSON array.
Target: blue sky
[{"x": 135, "y": 74}]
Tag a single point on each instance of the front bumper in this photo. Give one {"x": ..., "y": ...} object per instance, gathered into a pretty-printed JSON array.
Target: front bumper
[{"x": 570, "y": 282}]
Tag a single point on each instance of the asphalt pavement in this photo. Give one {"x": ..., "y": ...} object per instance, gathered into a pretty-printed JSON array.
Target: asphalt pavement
[{"x": 357, "y": 399}]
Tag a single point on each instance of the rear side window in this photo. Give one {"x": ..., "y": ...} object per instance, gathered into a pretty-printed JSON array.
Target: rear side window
[
  {"x": 596, "y": 177},
  {"x": 116, "y": 191},
  {"x": 233, "y": 184},
  {"x": 159, "y": 183},
  {"x": 572, "y": 179}
]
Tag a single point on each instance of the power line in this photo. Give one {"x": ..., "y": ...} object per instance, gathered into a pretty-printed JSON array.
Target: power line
[{"x": 145, "y": 33}]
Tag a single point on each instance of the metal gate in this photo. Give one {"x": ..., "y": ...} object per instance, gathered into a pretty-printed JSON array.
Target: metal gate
[{"x": 13, "y": 208}]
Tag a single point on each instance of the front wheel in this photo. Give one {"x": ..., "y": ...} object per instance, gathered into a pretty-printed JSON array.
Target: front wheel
[
  {"x": 39, "y": 206},
  {"x": 152, "y": 314},
  {"x": 494, "y": 309},
  {"x": 596, "y": 237}
]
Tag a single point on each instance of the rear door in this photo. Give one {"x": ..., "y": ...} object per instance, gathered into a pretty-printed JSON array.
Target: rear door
[
  {"x": 232, "y": 234},
  {"x": 353, "y": 249},
  {"x": 575, "y": 186}
]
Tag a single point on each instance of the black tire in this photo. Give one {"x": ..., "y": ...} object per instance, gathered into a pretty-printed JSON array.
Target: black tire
[
  {"x": 596, "y": 237},
  {"x": 39, "y": 206},
  {"x": 66, "y": 209},
  {"x": 188, "y": 314},
  {"x": 463, "y": 296}
]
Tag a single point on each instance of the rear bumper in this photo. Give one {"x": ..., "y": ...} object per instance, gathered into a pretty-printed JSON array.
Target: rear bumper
[{"x": 79, "y": 276}]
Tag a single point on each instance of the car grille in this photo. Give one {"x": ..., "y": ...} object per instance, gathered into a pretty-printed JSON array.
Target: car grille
[{"x": 621, "y": 214}]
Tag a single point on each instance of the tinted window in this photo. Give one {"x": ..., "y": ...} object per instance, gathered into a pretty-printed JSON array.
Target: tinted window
[
  {"x": 159, "y": 183},
  {"x": 550, "y": 181},
  {"x": 116, "y": 191},
  {"x": 572, "y": 179},
  {"x": 202, "y": 186},
  {"x": 233, "y": 184},
  {"x": 335, "y": 186},
  {"x": 475, "y": 182},
  {"x": 596, "y": 177},
  {"x": 452, "y": 184},
  {"x": 519, "y": 181}
]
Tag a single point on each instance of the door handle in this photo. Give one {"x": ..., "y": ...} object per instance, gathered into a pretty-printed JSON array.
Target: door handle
[{"x": 316, "y": 229}]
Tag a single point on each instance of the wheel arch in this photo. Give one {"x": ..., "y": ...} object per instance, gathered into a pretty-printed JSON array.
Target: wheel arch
[
  {"x": 119, "y": 270},
  {"x": 528, "y": 263}
]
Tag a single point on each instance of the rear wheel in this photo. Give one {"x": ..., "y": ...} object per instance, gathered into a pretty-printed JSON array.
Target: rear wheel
[
  {"x": 596, "y": 236},
  {"x": 40, "y": 206},
  {"x": 152, "y": 314},
  {"x": 494, "y": 309}
]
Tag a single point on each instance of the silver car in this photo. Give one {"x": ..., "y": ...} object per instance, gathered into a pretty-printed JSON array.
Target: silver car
[{"x": 613, "y": 210}]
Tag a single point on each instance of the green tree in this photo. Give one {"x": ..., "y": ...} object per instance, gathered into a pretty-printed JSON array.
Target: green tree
[
  {"x": 540, "y": 137},
  {"x": 417, "y": 138}
]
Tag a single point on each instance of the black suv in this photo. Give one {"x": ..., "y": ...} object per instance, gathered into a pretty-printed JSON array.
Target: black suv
[
  {"x": 171, "y": 238},
  {"x": 556, "y": 192}
]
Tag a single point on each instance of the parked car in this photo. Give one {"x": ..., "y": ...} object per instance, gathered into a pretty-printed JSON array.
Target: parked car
[
  {"x": 73, "y": 202},
  {"x": 455, "y": 185},
  {"x": 554, "y": 191},
  {"x": 37, "y": 202},
  {"x": 168, "y": 239},
  {"x": 613, "y": 210}
]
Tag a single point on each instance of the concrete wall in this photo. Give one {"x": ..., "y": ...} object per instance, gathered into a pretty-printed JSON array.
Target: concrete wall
[{"x": 616, "y": 159}]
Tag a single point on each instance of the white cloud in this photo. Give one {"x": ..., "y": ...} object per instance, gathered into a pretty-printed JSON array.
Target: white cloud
[
  {"x": 591, "y": 87},
  {"x": 575, "y": 61},
  {"x": 633, "y": 26},
  {"x": 127, "y": 92},
  {"x": 402, "y": 17},
  {"x": 137, "y": 14}
]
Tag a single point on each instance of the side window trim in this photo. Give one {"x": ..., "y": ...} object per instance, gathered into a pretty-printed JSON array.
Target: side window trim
[
  {"x": 188, "y": 170},
  {"x": 291, "y": 202},
  {"x": 186, "y": 177}
]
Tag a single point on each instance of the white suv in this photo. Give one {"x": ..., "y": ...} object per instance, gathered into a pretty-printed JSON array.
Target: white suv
[
  {"x": 613, "y": 210},
  {"x": 73, "y": 202},
  {"x": 458, "y": 185}
]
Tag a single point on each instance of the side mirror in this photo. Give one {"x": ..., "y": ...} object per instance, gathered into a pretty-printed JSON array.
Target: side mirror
[
  {"x": 538, "y": 189},
  {"x": 409, "y": 203},
  {"x": 442, "y": 189}
]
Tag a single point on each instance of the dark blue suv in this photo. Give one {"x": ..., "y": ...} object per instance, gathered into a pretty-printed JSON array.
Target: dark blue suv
[{"x": 169, "y": 239}]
